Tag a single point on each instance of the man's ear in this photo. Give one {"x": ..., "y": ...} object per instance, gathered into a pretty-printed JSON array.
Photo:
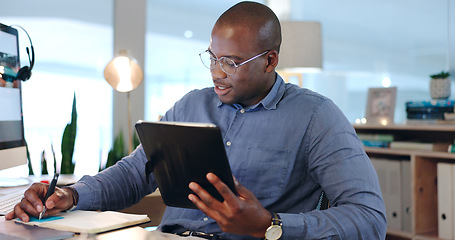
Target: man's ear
[{"x": 272, "y": 61}]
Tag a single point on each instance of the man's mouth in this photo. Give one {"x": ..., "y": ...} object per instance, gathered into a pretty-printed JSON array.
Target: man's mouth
[{"x": 221, "y": 90}]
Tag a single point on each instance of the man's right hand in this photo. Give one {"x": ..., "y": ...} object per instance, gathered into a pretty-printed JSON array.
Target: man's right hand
[{"x": 32, "y": 203}]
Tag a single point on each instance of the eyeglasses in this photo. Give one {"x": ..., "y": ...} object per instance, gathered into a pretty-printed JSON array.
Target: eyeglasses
[{"x": 227, "y": 65}]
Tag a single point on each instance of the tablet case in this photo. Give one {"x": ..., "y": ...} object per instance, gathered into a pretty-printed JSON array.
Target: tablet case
[{"x": 180, "y": 153}]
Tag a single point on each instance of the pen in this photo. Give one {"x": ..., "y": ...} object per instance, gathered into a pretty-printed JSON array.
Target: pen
[{"x": 50, "y": 191}]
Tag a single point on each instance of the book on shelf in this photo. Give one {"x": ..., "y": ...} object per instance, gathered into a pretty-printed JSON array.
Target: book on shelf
[
  {"x": 434, "y": 109},
  {"x": 428, "y": 122},
  {"x": 431, "y": 103},
  {"x": 429, "y": 109},
  {"x": 425, "y": 146},
  {"x": 375, "y": 137},
  {"x": 375, "y": 140},
  {"x": 375, "y": 143},
  {"x": 425, "y": 116}
]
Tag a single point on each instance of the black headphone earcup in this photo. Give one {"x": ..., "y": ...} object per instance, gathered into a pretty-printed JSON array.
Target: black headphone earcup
[{"x": 24, "y": 73}]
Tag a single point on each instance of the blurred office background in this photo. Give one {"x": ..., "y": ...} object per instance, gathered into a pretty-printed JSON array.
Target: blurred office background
[{"x": 365, "y": 44}]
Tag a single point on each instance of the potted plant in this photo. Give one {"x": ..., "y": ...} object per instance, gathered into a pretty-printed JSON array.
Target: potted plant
[{"x": 440, "y": 85}]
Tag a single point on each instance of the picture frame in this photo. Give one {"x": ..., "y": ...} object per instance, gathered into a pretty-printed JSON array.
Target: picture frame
[{"x": 381, "y": 105}]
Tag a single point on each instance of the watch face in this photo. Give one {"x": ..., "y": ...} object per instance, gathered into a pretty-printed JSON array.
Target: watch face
[{"x": 273, "y": 232}]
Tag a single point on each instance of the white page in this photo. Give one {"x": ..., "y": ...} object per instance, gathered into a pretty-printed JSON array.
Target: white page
[{"x": 90, "y": 221}]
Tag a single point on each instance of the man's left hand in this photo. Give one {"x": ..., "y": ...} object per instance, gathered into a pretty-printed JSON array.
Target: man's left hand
[{"x": 242, "y": 214}]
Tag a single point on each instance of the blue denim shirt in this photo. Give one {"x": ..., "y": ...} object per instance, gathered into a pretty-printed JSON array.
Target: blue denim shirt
[{"x": 286, "y": 149}]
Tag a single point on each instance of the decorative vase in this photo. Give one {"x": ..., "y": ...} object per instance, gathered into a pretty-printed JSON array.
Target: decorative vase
[{"x": 440, "y": 88}]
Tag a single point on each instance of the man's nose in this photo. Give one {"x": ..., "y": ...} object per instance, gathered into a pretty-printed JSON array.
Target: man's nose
[{"x": 217, "y": 72}]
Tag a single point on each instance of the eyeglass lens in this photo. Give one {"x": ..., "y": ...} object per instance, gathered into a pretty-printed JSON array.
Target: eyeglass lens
[{"x": 209, "y": 60}]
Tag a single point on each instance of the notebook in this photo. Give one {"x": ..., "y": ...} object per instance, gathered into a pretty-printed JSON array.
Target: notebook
[
  {"x": 180, "y": 153},
  {"x": 87, "y": 221}
]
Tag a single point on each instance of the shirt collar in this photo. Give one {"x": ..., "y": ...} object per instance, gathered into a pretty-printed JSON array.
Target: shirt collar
[{"x": 271, "y": 100}]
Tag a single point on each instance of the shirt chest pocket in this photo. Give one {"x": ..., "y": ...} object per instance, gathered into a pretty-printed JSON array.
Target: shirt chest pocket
[{"x": 265, "y": 173}]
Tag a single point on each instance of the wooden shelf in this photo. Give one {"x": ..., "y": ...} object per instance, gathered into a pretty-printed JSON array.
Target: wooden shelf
[
  {"x": 423, "y": 172},
  {"x": 398, "y": 127},
  {"x": 410, "y": 153}
]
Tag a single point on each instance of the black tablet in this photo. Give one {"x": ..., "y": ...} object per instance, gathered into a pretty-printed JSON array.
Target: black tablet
[{"x": 180, "y": 153}]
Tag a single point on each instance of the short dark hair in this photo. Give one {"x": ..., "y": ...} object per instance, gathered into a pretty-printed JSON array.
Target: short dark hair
[{"x": 259, "y": 18}]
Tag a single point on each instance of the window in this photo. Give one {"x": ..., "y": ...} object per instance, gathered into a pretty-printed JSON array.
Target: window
[
  {"x": 173, "y": 70},
  {"x": 71, "y": 52}
]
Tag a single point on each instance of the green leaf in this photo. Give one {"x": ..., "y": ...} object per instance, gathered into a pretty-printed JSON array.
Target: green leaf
[
  {"x": 55, "y": 160},
  {"x": 43, "y": 164},
  {"x": 441, "y": 75},
  {"x": 29, "y": 163},
  {"x": 68, "y": 140},
  {"x": 117, "y": 152}
]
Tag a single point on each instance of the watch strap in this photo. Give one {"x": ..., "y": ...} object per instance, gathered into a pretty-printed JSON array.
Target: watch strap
[{"x": 276, "y": 220}]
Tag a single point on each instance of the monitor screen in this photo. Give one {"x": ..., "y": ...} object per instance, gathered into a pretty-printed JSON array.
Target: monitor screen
[{"x": 12, "y": 142}]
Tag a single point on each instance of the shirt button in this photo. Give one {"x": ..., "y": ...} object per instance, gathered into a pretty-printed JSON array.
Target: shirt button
[
  {"x": 206, "y": 219},
  {"x": 242, "y": 110},
  {"x": 228, "y": 144}
]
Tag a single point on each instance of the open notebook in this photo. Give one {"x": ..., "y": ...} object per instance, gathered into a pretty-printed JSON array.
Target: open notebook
[{"x": 88, "y": 221}]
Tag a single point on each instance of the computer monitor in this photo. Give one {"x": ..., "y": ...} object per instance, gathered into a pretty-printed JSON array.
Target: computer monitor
[{"x": 12, "y": 142}]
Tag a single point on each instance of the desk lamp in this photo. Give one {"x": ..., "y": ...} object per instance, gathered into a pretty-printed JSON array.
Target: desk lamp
[
  {"x": 301, "y": 49},
  {"x": 124, "y": 74}
]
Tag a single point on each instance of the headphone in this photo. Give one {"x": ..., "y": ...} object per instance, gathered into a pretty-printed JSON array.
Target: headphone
[{"x": 25, "y": 72}]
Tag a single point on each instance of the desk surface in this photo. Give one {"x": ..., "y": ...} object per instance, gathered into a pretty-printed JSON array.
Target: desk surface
[
  {"x": 13, "y": 230},
  {"x": 10, "y": 229},
  {"x": 152, "y": 205},
  {"x": 138, "y": 233}
]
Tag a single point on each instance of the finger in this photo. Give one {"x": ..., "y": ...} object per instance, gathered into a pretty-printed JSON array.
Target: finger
[
  {"x": 227, "y": 208},
  {"x": 205, "y": 202},
  {"x": 10, "y": 215},
  {"x": 242, "y": 191},
  {"x": 203, "y": 195},
  {"x": 35, "y": 194},
  {"x": 236, "y": 182},
  {"x": 60, "y": 199},
  {"x": 53, "y": 204},
  {"x": 215, "y": 215},
  {"x": 19, "y": 213},
  {"x": 222, "y": 188},
  {"x": 29, "y": 208},
  {"x": 32, "y": 203}
]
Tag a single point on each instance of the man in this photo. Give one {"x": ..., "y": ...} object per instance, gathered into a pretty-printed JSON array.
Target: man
[{"x": 286, "y": 145}]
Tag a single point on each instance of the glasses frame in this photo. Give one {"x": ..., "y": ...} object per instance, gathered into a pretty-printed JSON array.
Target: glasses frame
[{"x": 216, "y": 59}]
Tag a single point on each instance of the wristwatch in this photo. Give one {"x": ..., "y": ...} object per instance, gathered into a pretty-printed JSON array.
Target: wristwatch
[{"x": 274, "y": 231}]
